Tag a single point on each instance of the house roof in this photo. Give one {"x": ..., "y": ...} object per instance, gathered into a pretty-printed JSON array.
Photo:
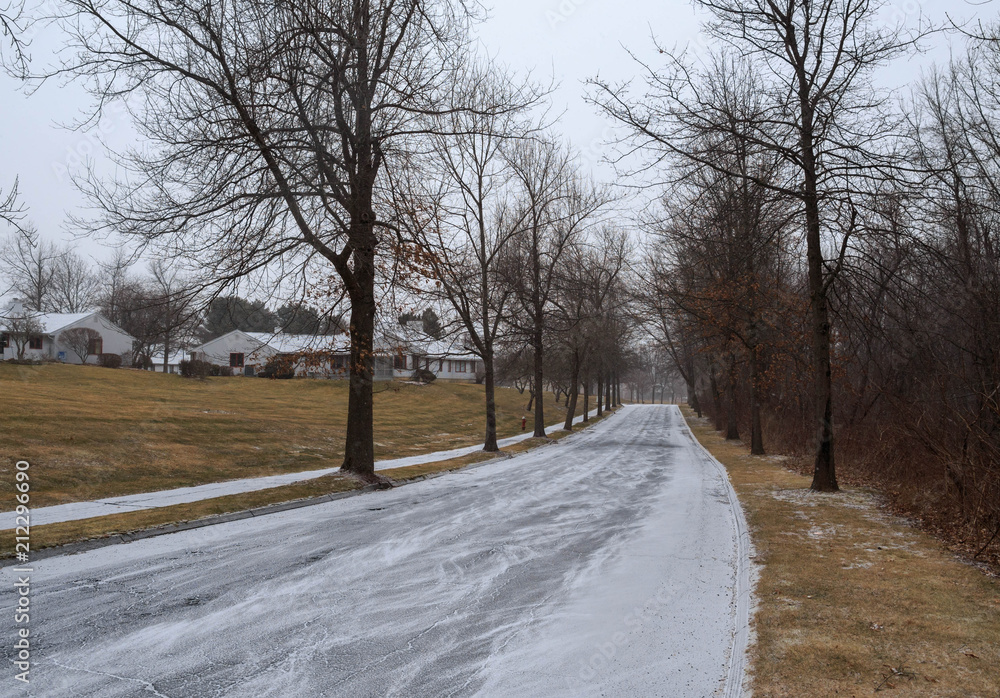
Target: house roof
[
  {"x": 53, "y": 323},
  {"x": 302, "y": 343},
  {"x": 410, "y": 339}
]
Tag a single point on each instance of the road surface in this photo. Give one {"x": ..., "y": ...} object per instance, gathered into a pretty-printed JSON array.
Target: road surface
[{"x": 607, "y": 564}]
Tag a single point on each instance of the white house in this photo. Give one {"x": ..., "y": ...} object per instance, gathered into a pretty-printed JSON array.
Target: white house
[
  {"x": 447, "y": 359},
  {"x": 46, "y": 338},
  {"x": 312, "y": 356},
  {"x": 237, "y": 349}
]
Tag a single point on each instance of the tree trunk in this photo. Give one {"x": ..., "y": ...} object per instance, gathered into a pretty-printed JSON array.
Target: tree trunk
[
  {"x": 490, "y": 445},
  {"x": 539, "y": 395},
  {"x": 600, "y": 395},
  {"x": 359, "y": 450},
  {"x": 756, "y": 434},
  {"x": 586, "y": 398},
  {"x": 824, "y": 471},
  {"x": 571, "y": 395},
  {"x": 693, "y": 400},
  {"x": 732, "y": 428},
  {"x": 531, "y": 399},
  {"x": 607, "y": 394},
  {"x": 716, "y": 399}
]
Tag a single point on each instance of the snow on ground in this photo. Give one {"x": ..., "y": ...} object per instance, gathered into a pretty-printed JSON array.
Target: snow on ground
[
  {"x": 605, "y": 564},
  {"x": 183, "y": 495}
]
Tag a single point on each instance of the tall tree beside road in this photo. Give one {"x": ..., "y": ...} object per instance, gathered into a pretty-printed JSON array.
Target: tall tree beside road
[
  {"x": 557, "y": 205},
  {"x": 272, "y": 128},
  {"x": 462, "y": 220},
  {"x": 818, "y": 111}
]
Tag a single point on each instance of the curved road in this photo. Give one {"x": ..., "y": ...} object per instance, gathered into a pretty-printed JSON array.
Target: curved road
[{"x": 607, "y": 564}]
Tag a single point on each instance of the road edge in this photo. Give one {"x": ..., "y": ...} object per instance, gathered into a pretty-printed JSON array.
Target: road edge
[{"x": 736, "y": 677}]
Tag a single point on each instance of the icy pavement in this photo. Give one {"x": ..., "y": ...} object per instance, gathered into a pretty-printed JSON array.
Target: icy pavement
[
  {"x": 183, "y": 495},
  {"x": 607, "y": 564}
]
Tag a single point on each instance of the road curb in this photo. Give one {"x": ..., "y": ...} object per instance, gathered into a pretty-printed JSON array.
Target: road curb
[{"x": 736, "y": 675}]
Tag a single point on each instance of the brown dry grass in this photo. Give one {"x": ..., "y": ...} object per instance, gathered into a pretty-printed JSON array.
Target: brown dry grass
[
  {"x": 852, "y": 601},
  {"x": 90, "y": 432}
]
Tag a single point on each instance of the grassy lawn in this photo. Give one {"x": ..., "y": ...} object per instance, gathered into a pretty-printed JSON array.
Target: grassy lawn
[
  {"x": 91, "y": 432},
  {"x": 852, "y": 601}
]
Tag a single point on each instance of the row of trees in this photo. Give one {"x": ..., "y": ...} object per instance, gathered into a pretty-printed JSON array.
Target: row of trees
[{"x": 823, "y": 262}]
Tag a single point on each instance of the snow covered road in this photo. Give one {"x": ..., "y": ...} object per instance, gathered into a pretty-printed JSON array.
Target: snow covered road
[{"x": 606, "y": 564}]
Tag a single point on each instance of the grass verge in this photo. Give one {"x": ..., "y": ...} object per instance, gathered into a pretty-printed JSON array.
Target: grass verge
[
  {"x": 56, "y": 534},
  {"x": 92, "y": 432},
  {"x": 852, "y": 601}
]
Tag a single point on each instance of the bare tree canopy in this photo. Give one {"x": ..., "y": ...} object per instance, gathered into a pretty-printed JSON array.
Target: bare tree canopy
[
  {"x": 812, "y": 104},
  {"x": 273, "y": 132}
]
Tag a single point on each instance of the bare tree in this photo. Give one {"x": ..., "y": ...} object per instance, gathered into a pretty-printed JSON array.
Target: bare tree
[
  {"x": 273, "y": 129},
  {"x": 29, "y": 265},
  {"x": 558, "y": 205},
  {"x": 82, "y": 341},
  {"x": 464, "y": 219},
  {"x": 21, "y": 326},
  {"x": 819, "y": 112},
  {"x": 74, "y": 285},
  {"x": 174, "y": 303}
]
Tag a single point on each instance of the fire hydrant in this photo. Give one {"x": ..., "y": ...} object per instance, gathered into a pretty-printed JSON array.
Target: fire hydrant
[{"x": 524, "y": 423}]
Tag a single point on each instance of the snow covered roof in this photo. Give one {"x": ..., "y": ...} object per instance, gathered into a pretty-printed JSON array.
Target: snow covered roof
[
  {"x": 283, "y": 343},
  {"x": 410, "y": 339},
  {"x": 175, "y": 357},
  {"x": 53, "y": 323}
]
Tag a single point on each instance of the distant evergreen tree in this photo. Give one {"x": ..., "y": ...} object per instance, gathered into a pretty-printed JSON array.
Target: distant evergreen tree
[
  {"x": 299, "y": 318},
  {"x": 228, "y": 313},
  {"x": 432, "y": 324},
  {"x": 429, "y": 320}
]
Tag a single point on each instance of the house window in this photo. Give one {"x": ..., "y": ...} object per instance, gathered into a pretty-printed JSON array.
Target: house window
[
  {"x": 95, "y": 346},
  {"x": 236, "y": 360},
  {"x": 4, "y": 341},
  {"x": 35, "y": 342},
  {"x": 399, "y": 362},
  {"x": 440, "y": 365},
  {"x": 459, "y": 367}
]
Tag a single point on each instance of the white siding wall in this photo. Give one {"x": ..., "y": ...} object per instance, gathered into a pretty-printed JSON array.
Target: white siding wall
[
  {"x": 217, "y": 351},
  {"x": 114, "y": 340}
]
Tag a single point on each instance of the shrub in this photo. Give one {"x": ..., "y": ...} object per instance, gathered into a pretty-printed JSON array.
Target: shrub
[
  {"x": 279, "y": 367},
  {"x": 423, "y": 375},
  {"x": 110, "y": 360},
  {"x": 225, "y": 371},
  {"x": 193, "y": 368}
]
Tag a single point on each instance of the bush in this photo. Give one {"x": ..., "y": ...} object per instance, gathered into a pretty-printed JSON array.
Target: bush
[
  {"x": 423, "y": 375},
  {"x": 226, "y": 371},
  {"x": 193, "y": 368},
  {"x": 110, "y": 360},
  {"x": 278, "y": 367}
]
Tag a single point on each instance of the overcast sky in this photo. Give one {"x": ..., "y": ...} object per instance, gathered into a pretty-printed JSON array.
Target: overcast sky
[{"x": 570, "y": 40}]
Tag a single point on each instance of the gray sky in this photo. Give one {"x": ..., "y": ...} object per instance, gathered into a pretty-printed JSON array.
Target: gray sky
[{"x": 570, "y": 40}]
